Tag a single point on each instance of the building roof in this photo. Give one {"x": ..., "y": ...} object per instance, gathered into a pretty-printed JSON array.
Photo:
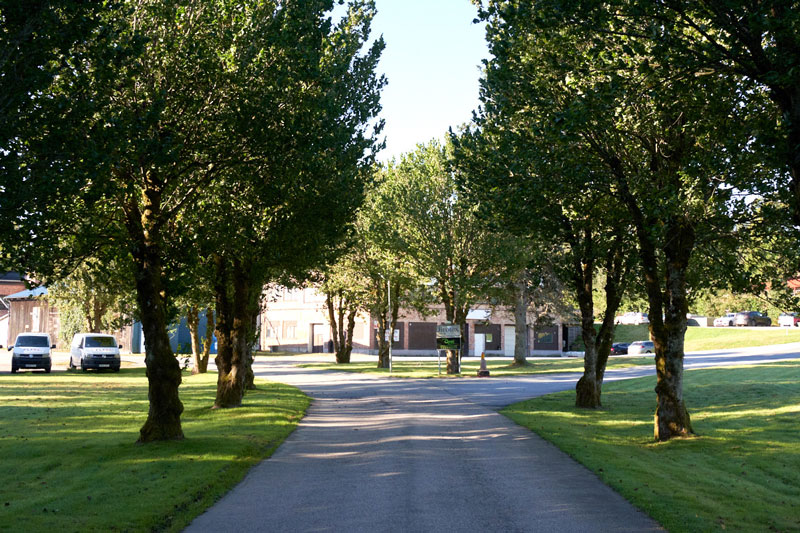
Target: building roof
[
  {"x": 29, "y": 293},
  {"x": 479, "y": 314}
]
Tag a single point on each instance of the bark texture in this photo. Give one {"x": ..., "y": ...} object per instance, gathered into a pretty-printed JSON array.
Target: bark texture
[
  {"x": 193, "y": 323},
  {"x": 672, "y": 418},
  {"x": 201, "y": 365},
  {"x": 230, "y": 367},
  {"x": 589, "y": 389},
  {"x": 163, "y": 371},
  {"x": 342, "y": 318},
  {"x": 384, "y": 323},
  {"x": 666, "y": 294},
  {"x": 521, "y": 341},
  {"x": 456, "y": 313}
]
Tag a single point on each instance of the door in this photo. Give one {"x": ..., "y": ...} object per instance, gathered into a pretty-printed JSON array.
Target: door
[
  {"x": 317, "y": 338},
  {"x": 480, "y": 344},
  {"x": 509, "y": 338}
]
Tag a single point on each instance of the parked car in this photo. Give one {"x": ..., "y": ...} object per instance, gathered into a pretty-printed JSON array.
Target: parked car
[
  {"x": 640, "y": 347},
  {"x": 95, "y": 351},
  {"x": 619, "y": 348},
  {"x": 31, "y": 351},
  {"x": 632, "y": 318},
  {"x": 724, "y": 321},
  {"x": 751, "y": 318},
  {"x": 789, "y": 320}
]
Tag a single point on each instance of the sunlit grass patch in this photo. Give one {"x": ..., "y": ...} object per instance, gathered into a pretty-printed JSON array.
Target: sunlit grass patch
[
  {"x": 699, "y": 339},
  {"x": 69, "y": 458},
  {"x": 741, "y": 473},
  {"x": 430, "y": 369}
]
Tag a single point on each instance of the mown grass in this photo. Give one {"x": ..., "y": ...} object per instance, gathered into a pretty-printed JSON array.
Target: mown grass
[
  {"x": 69, "y": 459},
  {"x": 698, "y": 339},
  {"x": 430, "y": 369},
  {"x": 741, "y": 473}
]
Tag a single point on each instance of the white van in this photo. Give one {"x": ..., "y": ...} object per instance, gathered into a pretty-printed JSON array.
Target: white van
[
  {"x": 31, "y": 351},
  {"x": 95, "y": 351}
]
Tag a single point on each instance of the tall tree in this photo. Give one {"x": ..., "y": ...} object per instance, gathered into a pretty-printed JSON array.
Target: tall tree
[
  {"x": 442, "y": 237},
  {"x": 316, "y": 143},
  {"x": 671, "y": 156},
  {"x": 163, "y": 103}
]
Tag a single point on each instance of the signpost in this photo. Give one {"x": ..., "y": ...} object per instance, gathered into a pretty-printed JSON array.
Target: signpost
[{"x": 448, "y": 337}]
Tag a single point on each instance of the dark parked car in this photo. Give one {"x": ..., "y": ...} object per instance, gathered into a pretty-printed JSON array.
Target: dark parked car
[
  {"x": 619, "y": 348},
  {"x": 751, "y": 318}
]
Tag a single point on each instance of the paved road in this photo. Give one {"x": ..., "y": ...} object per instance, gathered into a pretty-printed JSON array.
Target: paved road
[
  {"x": 377, "y": 454},
  {"x": 407, "y": 455}
]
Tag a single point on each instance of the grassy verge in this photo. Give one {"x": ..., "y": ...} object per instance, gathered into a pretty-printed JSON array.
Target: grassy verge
[
  {"x": 741, "y": 474},
  {"x": 430, "y": 369},
  {"x": 69, "y": 458},
  {"x": 698, "y": 339}
]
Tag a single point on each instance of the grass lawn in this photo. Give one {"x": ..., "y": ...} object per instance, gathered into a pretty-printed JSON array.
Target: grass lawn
[
  {"x": 742, "y": 473},
  {"x": 430, "y": 369},
  {"x": 69, "y": 460},
  {"x": 698, "y": 339}
]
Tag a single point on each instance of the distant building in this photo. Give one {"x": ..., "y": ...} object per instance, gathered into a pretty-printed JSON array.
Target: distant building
[
  {"x": 296, "y": 320},
  {"x": 30, "y": 312}
]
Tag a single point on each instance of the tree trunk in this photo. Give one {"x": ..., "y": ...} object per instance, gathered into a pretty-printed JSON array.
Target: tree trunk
[
  {"x": 98, "y": 311},
  {"x": 341, "y": 334},
  {"x": 521, "y": 346},
  {"x": 387, "y": 324},
  {"x": 383, "y": 344},
  {"x": 329, "y": 305},
  {"x": 193, "y": 322},
  {"x": 454, "y": 356},
  {"x": 230, "y": 378},
  {"x": 254, "y": 310},
  {"x": 163, "y": 371},
  {"x": 242, "y": 327},
  {"x": 347, "y": 350},
  {"x": 672, "y": 418},
  {"x": 587, "y": 390},
  {"x": 202, "y": 363}
]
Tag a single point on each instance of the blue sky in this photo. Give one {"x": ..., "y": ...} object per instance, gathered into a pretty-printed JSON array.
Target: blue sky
[{"x": 432, "y": 61}]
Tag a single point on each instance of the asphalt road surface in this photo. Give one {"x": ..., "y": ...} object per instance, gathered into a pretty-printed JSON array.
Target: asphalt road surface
[{"x": 378, "y": 454}]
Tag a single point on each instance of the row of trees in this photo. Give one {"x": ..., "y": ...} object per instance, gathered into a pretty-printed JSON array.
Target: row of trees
[
  {"x": 639, "y": 141},
  {"x": 421, "y": 243},
  {"x": 218, "y": 144}
]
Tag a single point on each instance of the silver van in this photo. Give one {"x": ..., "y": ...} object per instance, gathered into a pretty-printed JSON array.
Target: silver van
[
  {"x": 31, "y": 351},
  {"x": 96, "y": 351}
]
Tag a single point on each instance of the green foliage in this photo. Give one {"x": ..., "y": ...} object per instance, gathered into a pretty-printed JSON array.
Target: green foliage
[
  {"x": 438, "y": 229},
  {"x": 69, "y": 460},
  {"x": 99, "y": 292},
  {"x": 469, "y": 368},
  {"x": 71, "y": 320},
  {"x": 745, "y": 464}
]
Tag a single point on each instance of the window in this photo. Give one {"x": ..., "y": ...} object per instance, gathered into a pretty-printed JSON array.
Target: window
[
  {"x": 99, "y": 342},
  {"x": 290, "y": 329},
  {"x": 545, "y": 337}
]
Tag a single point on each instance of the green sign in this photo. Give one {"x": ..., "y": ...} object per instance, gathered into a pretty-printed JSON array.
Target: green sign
[{"x": 448, "y": 343}]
